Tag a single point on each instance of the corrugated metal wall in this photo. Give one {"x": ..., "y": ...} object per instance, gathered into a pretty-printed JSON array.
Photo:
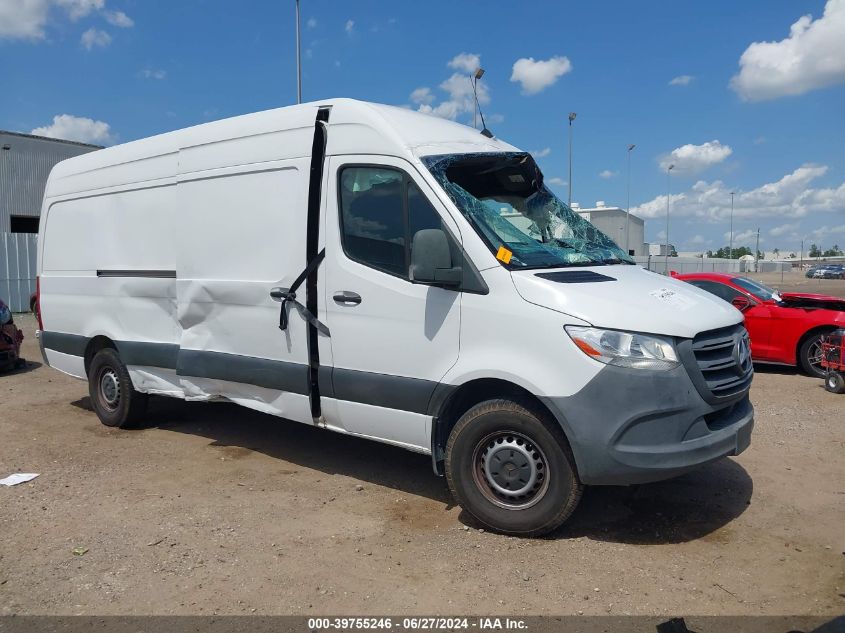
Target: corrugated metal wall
[
  {"x": 17, "y": 269},
  {"x": 24, "y": 168}
]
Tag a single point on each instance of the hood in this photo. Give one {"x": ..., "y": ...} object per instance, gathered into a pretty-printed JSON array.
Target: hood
[
  {"x": 811, "y": 301},
  {"x": 626, "y": 297}
]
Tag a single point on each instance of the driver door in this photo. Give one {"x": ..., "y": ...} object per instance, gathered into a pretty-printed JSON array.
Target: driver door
[{"x": 392, "y": 340}]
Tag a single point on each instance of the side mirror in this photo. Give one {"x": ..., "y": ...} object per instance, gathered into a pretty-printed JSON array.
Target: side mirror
[
  {"x": 741, "y": 303},
  {"x": 431, "y": 260}
]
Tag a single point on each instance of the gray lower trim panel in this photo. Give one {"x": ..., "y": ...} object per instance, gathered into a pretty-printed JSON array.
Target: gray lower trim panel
[
  {"x": 383, "y": 390},
  {"x": 380, "y": 390},
  {"x": 72, "y": 344},
  {"x": 272, "y": 374},
  {"x": 163, "y": 355}
]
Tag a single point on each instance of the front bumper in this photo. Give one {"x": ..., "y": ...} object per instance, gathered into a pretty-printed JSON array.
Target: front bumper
[{"x": 636, "y": 426}]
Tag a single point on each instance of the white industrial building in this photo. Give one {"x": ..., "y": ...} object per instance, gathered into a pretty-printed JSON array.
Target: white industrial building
[{"x": 611, "y": 222}]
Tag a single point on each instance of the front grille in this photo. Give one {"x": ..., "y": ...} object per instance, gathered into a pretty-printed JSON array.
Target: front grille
[{"x": 724, "y": 359}]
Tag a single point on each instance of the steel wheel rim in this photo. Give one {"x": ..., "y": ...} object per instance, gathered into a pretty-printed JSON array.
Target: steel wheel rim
[
  {"x": 109, "y": 388},
  {"x": 510, "y": 470}
]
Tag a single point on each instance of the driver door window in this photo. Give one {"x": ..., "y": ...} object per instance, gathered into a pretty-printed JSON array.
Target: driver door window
[{"x": 381, "y": 210}]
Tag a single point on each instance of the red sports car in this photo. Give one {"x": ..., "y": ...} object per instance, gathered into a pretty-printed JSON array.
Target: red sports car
[{"x": 784, "y": 327}]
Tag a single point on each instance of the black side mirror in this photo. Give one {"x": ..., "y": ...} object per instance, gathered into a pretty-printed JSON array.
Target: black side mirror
[{"x": 431, "y": 260}]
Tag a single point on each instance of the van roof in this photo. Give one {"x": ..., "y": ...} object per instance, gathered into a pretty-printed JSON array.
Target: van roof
[{"x": 355, "y": 127}]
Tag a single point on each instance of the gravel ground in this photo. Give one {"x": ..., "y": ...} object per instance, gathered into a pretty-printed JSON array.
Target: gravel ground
[{"x": 213, "y": 508}]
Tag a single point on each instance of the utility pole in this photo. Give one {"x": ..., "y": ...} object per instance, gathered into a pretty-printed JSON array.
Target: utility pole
[
  {"x": 572, "y": 116},
  {"x": 298, "y": 62},
  {"x": 628, "y": 208},
  {"x": 731, "y": 247},
  {"x": 757, "y": 253},
  {"x": 668, "y": 181}
]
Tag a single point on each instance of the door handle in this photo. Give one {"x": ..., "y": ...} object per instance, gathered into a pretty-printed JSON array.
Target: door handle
[
  {"x": 347, "y": 298},
  {"x": 277, "y": 294}
]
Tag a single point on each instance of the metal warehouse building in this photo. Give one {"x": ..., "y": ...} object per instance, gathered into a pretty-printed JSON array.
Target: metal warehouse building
[
  {"x": 611, "y": 221},
  {"x": 25, "y": 163}
]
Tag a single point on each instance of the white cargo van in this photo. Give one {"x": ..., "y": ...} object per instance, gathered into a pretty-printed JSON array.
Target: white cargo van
[{"x": 390, "y": 275}]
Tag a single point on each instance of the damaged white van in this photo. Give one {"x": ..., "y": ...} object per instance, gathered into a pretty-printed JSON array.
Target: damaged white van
[{"x": 390, "y": 275}]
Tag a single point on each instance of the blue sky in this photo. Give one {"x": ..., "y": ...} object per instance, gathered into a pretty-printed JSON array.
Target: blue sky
[{"x": 759, "y": 113}]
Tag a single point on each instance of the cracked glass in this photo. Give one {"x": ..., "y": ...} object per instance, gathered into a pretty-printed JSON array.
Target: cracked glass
[{"x": 503, "y": 197}]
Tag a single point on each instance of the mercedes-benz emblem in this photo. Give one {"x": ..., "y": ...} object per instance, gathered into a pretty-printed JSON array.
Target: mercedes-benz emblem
[{"x": 742, "y": 355}]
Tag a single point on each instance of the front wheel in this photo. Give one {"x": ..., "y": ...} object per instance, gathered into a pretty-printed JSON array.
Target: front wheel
[
  {"x": 113, "y": 397},
  {"x": 512, "y": 469},
  {"x": 810, "y": 355}
]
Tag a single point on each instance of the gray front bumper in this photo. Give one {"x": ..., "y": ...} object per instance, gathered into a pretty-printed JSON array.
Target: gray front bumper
[{"x": 635, "y": 426}]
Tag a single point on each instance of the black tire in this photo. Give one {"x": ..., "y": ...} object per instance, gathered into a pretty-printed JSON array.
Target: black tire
[
  {"x": 835, "y": 382},
  {"x": 113, "y": 397},
  {"x": 809, "y": 355},
  {"x": 533, "y": 504}
]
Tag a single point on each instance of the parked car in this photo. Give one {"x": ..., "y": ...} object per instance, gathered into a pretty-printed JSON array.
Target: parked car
[
  {"x": 784, "y": 327},
  {"x": 10, "y": 340},
  {"x": 831, "y": 271},
  {"x": 391, "y": 275}
]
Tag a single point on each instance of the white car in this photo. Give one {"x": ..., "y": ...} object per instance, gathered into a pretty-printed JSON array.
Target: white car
[{"x": 391, "y": 275}]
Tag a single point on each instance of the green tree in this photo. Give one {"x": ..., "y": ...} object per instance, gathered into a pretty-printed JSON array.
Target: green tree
[
  {"x": 832, "y": 252},
  {"x": 776, "y": 252},
  {"x": 815, "y": 251}
]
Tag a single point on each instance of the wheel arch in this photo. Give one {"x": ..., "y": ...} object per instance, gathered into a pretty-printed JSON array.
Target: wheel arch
[
  {"x": 95, "y": 345},
  {"x": 449, "y": 403}
]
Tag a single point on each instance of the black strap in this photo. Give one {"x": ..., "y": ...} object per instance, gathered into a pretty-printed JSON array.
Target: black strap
[{"x": 290, "y": 297}]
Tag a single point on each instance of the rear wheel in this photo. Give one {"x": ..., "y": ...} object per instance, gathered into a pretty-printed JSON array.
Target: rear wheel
[
  {"x": 810, "y": 355},
  {"x": 512, "y": 469},
  {"x": 113, "y": 398}
]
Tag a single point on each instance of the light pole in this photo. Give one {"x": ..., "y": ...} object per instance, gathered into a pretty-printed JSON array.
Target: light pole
[
  {"x": 572, "y": 116},
  {"x": 298, "y": 63},
  {"x": 479, "y": 73},
  {"x": 628, "y": 208},
  {"x": 731, "y": 247},
  {"x": 668, "y": 169}
]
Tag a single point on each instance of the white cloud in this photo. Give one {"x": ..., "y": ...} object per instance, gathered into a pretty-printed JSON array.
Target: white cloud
[
  {"x": 149, "y": 73},
  {"x": 94, "y": 37},
  {"x": 790, "y": 197},
  {"x": 695, "y": 158},
  {"x": 74, "y": 128},
  {"x": 560, "y": 182},
  {"x": 468, "y": 62},
  {"x": 496, "y": 118},
  {"x": 681, "y": 80},
  {"x": 813, "y": 56},
  {"x": 749, "y": 235},
  {"x": 80, "y": 8},
  {"x": 783, "y": 229},
  {"x": 349, "y": 27},
  {"x": 23, "y": 19},
  {"x": 311, "y": 23},
  {"x": 422, "y": 95},
  {"x": 697, "y": 240},
  {"x": 607, "y": 174},
  {"x": 118, "y": 18},
  {"x": 539, "y": 75},
  {"x": 541, "y": 153}
]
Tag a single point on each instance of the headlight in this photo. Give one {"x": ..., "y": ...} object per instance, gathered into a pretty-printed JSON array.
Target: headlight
[{"x": 624, "y": 349}]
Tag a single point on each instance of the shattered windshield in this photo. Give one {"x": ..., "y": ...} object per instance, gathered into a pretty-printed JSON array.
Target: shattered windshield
[{"x": 522, "y": 222}]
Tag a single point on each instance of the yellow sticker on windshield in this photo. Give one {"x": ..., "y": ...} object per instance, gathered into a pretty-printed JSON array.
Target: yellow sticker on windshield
[{"x": 504, "y": 255}]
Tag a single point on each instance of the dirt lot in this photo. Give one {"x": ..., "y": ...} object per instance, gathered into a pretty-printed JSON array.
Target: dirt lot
[{"x": 216, "y": 509}]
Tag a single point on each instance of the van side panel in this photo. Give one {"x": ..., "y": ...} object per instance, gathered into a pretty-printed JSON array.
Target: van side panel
[
  {"x": 242, "y": 232},
  {"x": 108, "y": 269}
]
